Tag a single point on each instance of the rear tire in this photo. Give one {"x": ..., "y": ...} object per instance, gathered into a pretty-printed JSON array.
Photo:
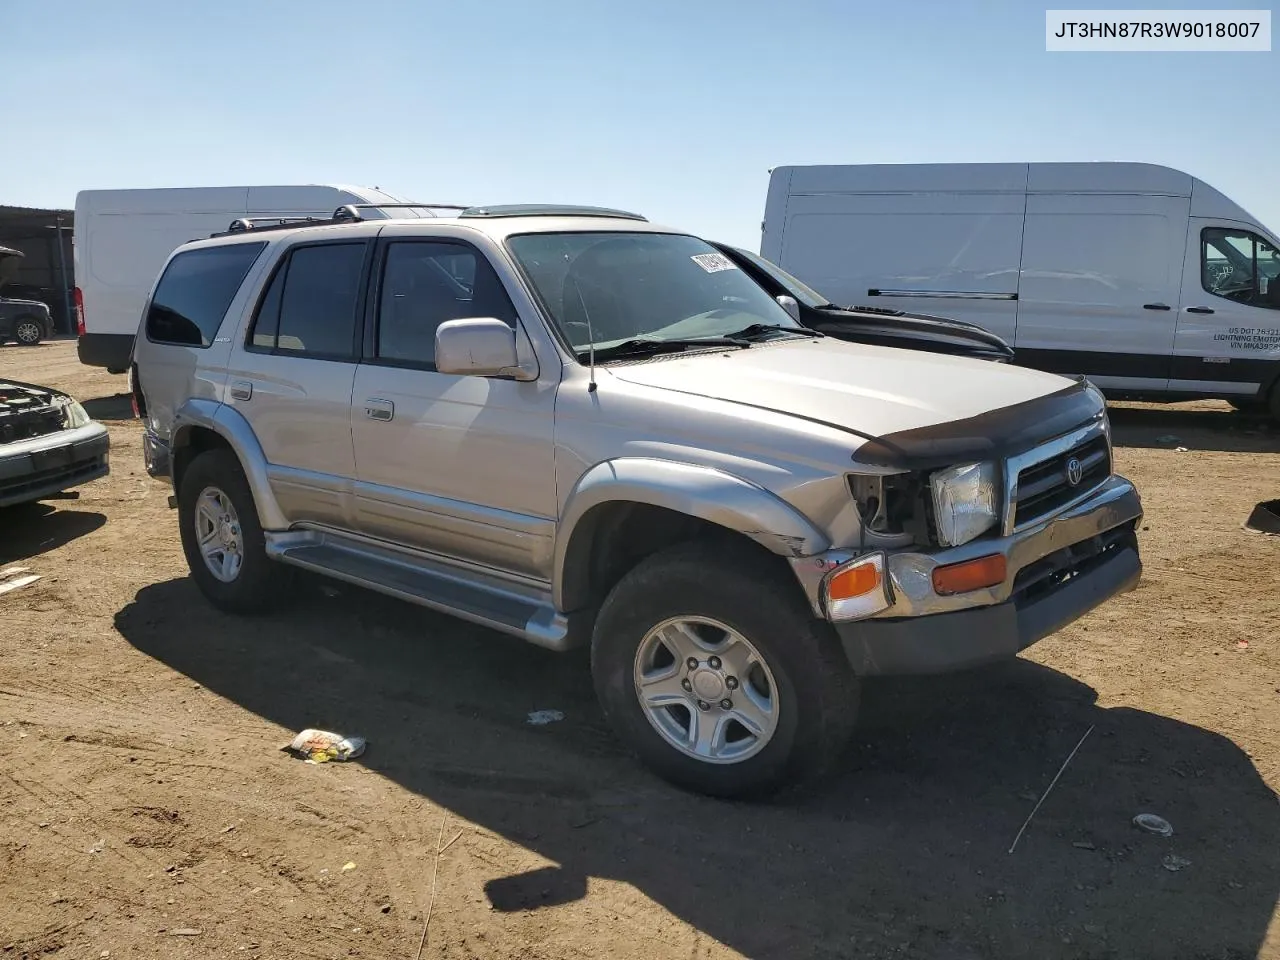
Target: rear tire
[
  {"x": 796, "y": 687},
  {"x": 222, "y": 538}
]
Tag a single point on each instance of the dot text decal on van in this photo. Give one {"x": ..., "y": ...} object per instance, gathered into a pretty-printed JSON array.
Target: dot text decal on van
[{"x": 1250, "y": 338}]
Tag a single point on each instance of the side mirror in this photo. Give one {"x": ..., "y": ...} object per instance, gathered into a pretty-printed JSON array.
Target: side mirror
[
  {"x": 790, "y": 305},
  {"x": 478, "y": 347}
]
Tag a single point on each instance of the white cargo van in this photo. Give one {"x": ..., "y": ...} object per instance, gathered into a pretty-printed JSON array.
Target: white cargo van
[
  {"x": 124, "y": 237},
  {"x": 1145, "y": 279}
]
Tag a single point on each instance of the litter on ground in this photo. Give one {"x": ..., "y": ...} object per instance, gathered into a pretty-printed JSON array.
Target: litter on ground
[
  {"x": 1153, "y": 824},
  {"x": 321, "y": 746},
  {"x": 541, "y": 718}
]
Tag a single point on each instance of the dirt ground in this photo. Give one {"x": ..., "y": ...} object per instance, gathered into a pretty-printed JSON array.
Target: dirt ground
[{"x": 148, "y": 811}]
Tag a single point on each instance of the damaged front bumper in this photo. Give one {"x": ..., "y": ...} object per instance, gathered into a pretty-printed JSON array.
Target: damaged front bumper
[
  {"x": 1057, "y": 571},
  {"x": 49, "y": 464}
]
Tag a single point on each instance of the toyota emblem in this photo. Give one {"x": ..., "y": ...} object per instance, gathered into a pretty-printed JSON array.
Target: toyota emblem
[{"x": 1075, "y": 471}]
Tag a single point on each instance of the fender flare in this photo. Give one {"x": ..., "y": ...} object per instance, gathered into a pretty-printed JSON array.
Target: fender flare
[
  {"x": 229, "y": 424},
  {"x": 706, "y": 493}
]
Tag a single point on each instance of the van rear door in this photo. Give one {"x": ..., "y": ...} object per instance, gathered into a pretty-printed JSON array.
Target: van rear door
[
  {"x": 1098, "y": 291},
  {"x": 1228, "y": 337}
]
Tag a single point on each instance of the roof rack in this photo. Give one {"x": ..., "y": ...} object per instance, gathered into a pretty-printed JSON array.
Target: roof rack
[
  {"x": 548, "y": 210},
  {"x": 267, "y": 223},
  {"x": 351, "y": 211}
]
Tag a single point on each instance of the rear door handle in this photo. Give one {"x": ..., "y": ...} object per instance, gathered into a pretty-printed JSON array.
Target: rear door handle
[
  {"x": 242, "y": 390},
  {"x": 376, "y": 409},
  {"x": 1199, "y": 309},
  {"x": 1155, "y": 306}
]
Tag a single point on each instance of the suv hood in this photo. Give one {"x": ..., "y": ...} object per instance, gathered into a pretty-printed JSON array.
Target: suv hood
[
  {"x": 867, "y": 390},
  {"x": 26, "y": 303}
]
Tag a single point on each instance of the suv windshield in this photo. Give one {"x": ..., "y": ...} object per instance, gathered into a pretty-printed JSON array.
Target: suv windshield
[{"x": 610, "y": 288}]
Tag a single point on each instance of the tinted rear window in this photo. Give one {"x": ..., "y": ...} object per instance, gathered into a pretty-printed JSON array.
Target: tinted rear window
[{"x": 195, "y": 292}]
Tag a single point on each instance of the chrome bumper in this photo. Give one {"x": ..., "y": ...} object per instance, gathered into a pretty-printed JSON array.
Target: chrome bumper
[
  {"x": 1112, "y": 504},
  {"x": 1058, "y": 570}
]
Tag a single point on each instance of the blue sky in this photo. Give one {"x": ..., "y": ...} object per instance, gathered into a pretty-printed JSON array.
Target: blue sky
[{"x": 673, "y": 108}]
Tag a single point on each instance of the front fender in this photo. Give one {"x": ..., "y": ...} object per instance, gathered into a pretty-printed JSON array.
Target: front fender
[
  {"x": 703, "y": 492},
  {"x": 229, "y": 424}
]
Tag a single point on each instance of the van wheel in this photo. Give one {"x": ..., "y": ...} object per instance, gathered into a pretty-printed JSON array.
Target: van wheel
[
  {"x": 28, "y": 331},
  {"x": 222, "y": 539},
  {"x": 715, "y": 671}
]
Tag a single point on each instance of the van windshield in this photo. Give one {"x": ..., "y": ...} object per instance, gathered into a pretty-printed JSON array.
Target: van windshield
[{"x": 605, "y": 289}]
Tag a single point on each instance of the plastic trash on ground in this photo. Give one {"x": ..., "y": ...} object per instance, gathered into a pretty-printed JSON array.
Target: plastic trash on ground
[
  {"x": 541, "y": 718},
  {"x": 321, "y": 746},
  {"x": 1153, "y": 824}
]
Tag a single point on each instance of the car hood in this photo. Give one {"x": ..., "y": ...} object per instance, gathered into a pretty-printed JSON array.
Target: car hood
[
  {"x": 879, "y": 392},
  {"x": 25, "y": 303}
]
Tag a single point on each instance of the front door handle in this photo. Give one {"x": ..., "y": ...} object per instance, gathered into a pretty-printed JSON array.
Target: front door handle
[
  {"x": 1199, "y": 309},
  {"x": 242, "y": 390},
  {"x": 1155, "y": 306},
  {"x": 376, "y": 409}
]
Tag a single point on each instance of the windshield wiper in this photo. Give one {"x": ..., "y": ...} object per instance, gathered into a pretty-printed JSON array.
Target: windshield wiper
[
  {"x": 760, "y": 329},
  {"x": 649, "y": 347}
]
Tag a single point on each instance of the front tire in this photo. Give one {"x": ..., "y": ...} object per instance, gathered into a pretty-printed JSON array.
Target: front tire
[
  {"x": 714, "y": 670},
  {"x": 222, "y": 539},
  {"x": 28, "y": 331}
]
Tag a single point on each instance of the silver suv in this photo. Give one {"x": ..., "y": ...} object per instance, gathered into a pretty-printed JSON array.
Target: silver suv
[{"x": 580, "y": 428}]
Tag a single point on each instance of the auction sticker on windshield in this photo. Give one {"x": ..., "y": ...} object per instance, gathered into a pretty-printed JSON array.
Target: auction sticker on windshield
[{"x": 713, "y": 262}]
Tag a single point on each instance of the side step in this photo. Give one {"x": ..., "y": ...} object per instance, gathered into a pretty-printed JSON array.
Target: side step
[{"x": 513, "y": 608}]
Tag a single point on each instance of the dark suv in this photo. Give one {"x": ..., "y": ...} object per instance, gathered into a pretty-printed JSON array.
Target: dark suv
[{"x": 25, "y": 321}]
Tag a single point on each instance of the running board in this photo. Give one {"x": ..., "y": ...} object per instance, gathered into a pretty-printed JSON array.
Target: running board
[{"x": 520, "y": 610}]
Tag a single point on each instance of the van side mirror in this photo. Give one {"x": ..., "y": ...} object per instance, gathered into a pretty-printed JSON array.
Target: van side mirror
[
  {"x": 479, "y": 347},
  {"x": 790, "y": 305}
]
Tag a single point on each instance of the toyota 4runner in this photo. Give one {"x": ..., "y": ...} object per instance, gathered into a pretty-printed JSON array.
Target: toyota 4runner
[{"x": 580, "y": 428}]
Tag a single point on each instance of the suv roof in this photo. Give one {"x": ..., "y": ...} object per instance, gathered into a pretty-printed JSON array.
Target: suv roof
[{"x": 497, "y": 223}]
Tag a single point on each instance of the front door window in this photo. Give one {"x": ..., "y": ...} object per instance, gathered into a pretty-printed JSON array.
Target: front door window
[{"x": 1241, "y": 266}]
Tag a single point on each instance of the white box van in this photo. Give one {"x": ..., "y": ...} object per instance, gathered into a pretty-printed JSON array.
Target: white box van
[
  {"x": 1145, "y": 279},
  {"x": 123, "y": 238}
]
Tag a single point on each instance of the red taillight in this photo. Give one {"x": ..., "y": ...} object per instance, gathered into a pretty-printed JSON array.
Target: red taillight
[{"x": 79, "y": 298}]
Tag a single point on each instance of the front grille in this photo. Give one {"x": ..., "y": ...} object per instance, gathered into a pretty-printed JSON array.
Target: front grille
[
  {"x": 1045, "y": 487},
  {"x": 1051, "y": 571},
  {"x": 67, "y": 476}
]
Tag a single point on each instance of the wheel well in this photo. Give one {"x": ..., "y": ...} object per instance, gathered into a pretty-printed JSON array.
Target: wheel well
[
  {"x": 192, "y": 443},
  {"x": 613, "y": 537}
]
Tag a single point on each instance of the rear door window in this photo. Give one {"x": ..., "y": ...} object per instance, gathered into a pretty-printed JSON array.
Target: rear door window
[
  {"x": 192, "y": 297},
  {"x": 310, "y": 306}
]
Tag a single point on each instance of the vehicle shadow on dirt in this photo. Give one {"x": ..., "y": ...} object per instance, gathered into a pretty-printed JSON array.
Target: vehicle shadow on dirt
[
  {"x": 1168, "y": 428},
  {"x": 31, "y": 529},
  {"x": 905, "y": 852},
  {"x": 116, "y": 407}
]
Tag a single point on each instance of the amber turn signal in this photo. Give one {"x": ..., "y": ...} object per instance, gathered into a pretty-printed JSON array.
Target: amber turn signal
[
  {"x": 854, "y": 582},
  {"x": 970, "y": 575}
]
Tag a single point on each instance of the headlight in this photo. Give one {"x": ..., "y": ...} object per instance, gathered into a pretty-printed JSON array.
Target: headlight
[
  {"x": 75, "y": 415},
  {"x": 965, "y": 502}
]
